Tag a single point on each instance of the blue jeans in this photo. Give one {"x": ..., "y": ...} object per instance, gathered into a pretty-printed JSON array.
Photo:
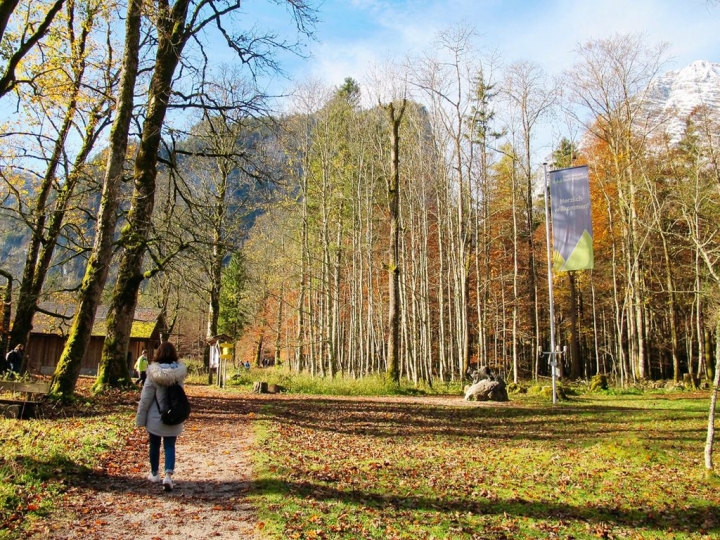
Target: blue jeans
[{"x": 168, "y": 446}]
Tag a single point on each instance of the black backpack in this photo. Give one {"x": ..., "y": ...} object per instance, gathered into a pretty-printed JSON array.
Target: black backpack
[{"x": 178, "y": 406}]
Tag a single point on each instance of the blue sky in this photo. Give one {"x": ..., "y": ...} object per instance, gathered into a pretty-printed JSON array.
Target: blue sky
[{"x": 355, "y": 34}]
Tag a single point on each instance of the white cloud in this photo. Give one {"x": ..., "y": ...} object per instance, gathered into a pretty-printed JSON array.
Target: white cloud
[{"x": 545, "y": 32}]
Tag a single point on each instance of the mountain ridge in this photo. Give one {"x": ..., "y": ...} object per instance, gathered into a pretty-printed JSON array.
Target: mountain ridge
[{"x": 677, "y": 93}]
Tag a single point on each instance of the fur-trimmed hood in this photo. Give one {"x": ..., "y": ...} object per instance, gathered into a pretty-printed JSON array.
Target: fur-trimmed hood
[{"x": 166, "y": 374}]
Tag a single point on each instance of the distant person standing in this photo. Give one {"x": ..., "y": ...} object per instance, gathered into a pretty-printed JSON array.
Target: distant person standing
[
  {"x": 141, "y": 365},
  {"x": 14, "y": 358}
]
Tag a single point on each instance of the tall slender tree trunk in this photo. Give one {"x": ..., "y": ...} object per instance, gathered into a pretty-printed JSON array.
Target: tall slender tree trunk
[
  {"x": 516, "y": 276},
  {"x": 5, "y": 311},
  {"x": 598, "y": 368},
  {"x": 335, "y": 296},
  {"x": 326, "y": 300},
  {"x": 442, "y": 343},
  {"x": 211, "y": 325},
  {"x": 218, "y": 244},
  {"x": 532, "y": 270},
  {"x": 670, "y": 285},
  {"x": 68, "y": 367},
  {"x": 575, "y": 363},
  {"x": 638, "y": 302},
  {"x": 217, "y": 256},
  {"x": 699, "y": 308},
  {"x": 300, "y": 354},
  {"x": 279, "y": 324},
  {"x": 27, "y": 295},
  {"x": 172, "y": 36},
  {"x": 393, "y": 366},
  {"x": 710, "y": 439}
]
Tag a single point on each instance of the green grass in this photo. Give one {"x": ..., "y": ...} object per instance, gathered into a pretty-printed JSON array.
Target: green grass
[
  {"x": 38, "y": 457},
  {"x": 596, "y": 466},
  {"x": 601, "y": 465},
  {"x": 303, "y": 383}
]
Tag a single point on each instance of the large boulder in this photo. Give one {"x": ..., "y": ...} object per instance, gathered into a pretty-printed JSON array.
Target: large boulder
[
  {"x": 476, "y": 373},
  {"x": 487, "y": 390}
]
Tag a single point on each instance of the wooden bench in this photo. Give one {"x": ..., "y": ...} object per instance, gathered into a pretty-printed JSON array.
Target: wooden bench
[{"x": 29, "y": 401}]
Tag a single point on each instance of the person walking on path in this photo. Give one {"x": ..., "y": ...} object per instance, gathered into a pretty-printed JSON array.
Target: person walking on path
[
  {"x": 141, "y": 365},
  {"x": 164, "y": 370}
]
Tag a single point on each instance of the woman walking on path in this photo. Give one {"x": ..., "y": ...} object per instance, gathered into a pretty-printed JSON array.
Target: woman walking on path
[{"x": 164, "y": 369}]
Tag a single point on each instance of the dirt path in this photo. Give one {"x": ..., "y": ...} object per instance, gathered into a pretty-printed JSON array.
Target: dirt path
[{"x": 212, "y": 477}]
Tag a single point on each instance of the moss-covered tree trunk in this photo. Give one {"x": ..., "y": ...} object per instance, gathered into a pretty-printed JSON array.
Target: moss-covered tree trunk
[
  {"x": 68, "y": 368},
  {"x": 6, "y": 311},
  {"x": 172, "y": 36},
  {"x": 113, "y": 368}
]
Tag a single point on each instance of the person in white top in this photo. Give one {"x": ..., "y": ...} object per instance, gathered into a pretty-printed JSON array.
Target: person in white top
[{"x": 164, "y": 370}]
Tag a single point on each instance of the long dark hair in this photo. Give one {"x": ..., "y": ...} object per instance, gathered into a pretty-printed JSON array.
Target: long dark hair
[{"x": 166, "y": 353}]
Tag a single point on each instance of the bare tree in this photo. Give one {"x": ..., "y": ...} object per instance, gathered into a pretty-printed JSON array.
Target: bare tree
[
  {"x": 609, "y": 83},
  {"x": 223, "y": 168},
  {"x": 531, "y": 99},
  {"x": 395, "y": 114},
  {"x": 176, "y": 26},
  {"x": 448, "y": 84}
]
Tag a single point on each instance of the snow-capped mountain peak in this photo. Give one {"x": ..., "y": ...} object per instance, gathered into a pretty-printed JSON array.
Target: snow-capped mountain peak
[{"x": 676, "y": 94}]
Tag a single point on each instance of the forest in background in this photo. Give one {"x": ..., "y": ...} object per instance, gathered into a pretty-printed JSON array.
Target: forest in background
[
  {"x": 393, "y": 225},
  {"x": 472, "y": 261}
]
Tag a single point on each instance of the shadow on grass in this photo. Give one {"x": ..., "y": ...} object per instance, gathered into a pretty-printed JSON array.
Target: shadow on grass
[
  {"x": 23, "y": 480},
  {"x": 686, "y": 518},
  {"x": 21, "y": 469},
  {"x": 393, "y": 419},
  {"x": 698, "y": 519}
]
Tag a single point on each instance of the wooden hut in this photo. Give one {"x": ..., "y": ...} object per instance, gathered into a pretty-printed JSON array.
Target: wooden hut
[{"x": 52, "y": 324}]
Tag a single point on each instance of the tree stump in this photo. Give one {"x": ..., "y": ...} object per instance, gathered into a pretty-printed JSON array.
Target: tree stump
[{"x": 260, "y": 387}]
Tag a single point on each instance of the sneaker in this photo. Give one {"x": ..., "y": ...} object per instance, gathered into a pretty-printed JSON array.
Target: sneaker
[
  {"x": 167, "y": 483},
  {"x": 154, "y": 478}
]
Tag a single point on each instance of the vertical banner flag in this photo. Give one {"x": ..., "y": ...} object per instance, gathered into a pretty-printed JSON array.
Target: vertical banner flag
[{"x": 571, "y": 219}]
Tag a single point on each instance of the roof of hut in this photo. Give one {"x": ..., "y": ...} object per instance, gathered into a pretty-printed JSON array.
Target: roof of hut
[{"x": 56, "y": 319}]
